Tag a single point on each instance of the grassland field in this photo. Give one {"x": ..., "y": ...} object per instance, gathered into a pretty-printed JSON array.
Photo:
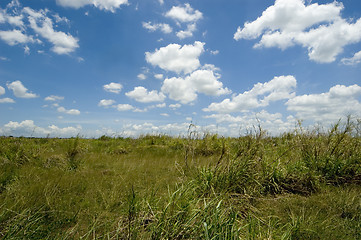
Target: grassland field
[{"x": 305, "y": 184}]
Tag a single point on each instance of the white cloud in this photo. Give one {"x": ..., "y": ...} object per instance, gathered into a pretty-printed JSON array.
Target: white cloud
[
  {"x": 142, "y": 76},
  {"x": 161, "y": 2},
  {"x": 215, "y": 52},
  {"x": 28, "y": 128},
  {"x": 179, "y": 89},
  {"x": 108, "y": 5},
  {"x": 161, "y": 105},
  {"x": 177, "y": 58},
  {"x": 165, "y": 28},
  {"x": 188, "y": 32},
  {"x": 164, "y": 114},
  {"x": 259, "y": 96},
  {"x": 184, "y": 13},
  {"x": 175, "y": 106},
  {"x": 63, "y": 43},
  {"x": 2, "y": 90},
  {"x": 319, "y": 28},
  {"x": 54, "y": 98},
  {"x": 185, "y": 89},
  {"x": 205, "y": 81},
  {"x": 70, "y": 112},
  {"x": 249, "y": 122},
  {"x": 113, "y": 87},
  {"x": 19, "y": 90},
  {"x": 124, "y": 107},
  {"x": 14, "y": 37},
  {"x": 6, "y": 100},
  {"x": 356, "y": 59},
  {"x": 328, "y": 107},
  {"x": 141, "y": 94},
  {"x": 7, "y": 15},
  {"x": 158, "y": 76},
  {"x": 26, "y": 50},
  {"x": 106, "y": 103}
]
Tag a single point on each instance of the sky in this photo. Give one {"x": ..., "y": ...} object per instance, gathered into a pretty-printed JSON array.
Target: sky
[{"x": 133, "y": 67}]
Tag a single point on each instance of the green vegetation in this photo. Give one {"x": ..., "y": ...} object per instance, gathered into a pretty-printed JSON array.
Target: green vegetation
[{"x": 300, "y": 185}]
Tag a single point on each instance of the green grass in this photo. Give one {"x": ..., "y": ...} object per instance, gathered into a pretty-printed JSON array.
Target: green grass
[{"x": 300, "y": 185}]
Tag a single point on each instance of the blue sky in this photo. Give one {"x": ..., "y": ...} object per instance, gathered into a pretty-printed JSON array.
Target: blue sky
[{"x": 128, "y": 67}]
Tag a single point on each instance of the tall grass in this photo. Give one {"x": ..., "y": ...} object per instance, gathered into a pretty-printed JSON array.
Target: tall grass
[{"x": 304, "y": 184}]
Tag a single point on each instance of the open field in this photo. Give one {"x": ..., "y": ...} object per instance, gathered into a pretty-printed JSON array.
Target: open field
[{"x": 300, "y": 185}]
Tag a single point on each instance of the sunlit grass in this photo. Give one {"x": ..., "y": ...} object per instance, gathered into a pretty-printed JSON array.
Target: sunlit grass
[{"x": 300, "y": 185}]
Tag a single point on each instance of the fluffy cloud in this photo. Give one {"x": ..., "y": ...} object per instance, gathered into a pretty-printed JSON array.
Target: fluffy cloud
[
  {"x": 14, "y": 37},
  {"x": 338, "y": 102},
  {"x": 177, "y": 58},
  {"x": 185, "y": 89},
  {"x": 165, "y": 28},
  {"x": 175, "y": 106},
  {"x": 28, "y": 128},
  {"x": 259, "y": 96},
  {"x": 124, "y": 107},
  {"x": 356, "y": 59},
  {"x": 142, "y": 76},
  {"x": 241, "y": 124},
  {"x": 19, "y": 90},
  {"x": 184, "y": 13},
  {"x": 6, "y": 100},
  {"x": 113, "y": 87},
  {"x": 108, "y": 5},
  {"x": 141, "y": 94},
  {"x": 106, "y": 103},
  {"x": 63, "y": 43},
  {"x": 40, "y": 23},
  {"x": 70, "y": 112},
  {"x": 11, "y": 17},
  {"x": 188, "y": 32},
  {"x": 158, "y": 76},
  {"x": 2, "y": 90},
  {"x": 319, "y": 28},
  {"x": 53, "y": 98}
]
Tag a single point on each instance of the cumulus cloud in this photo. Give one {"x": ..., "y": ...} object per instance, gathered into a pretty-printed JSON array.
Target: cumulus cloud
[
  {"x": 141, "y": 94},
  {"x": 113, "y": 87},
  {"x": 184, "y": 13},
  {"x": 338, "y": 102},
  {"x": 185, "y": 89},
  {"x": 187, "y": 15},
  {"x": 6, "y": 100},
  {"x": 40, "y": 23},
  {"x": 188, "y": 32},
  {"x": 317, "y": 27},
  {"x": 20, "y": 90},
  {"x": 356, "y": 59},
  {"x": 63, "y": 43},
  {"x": 177, "y": 58},
  {"x": 54, "y": 98},
  {"x": 28, "y": 128},
  {"x": 124, "y": 107},
  {"x": 106, "y": 103},
  {"x": 14, "y": 37},
  {"x": 165, "y": 28},
  {"x": 158, "y": 76},
  {"x": 259, "y": 96},
  {"x": 108, "y": 5},
  {"x": 142, "y": 76},
  {"x": 70, "y": 112},
  {"x": 2, "y": 90},
  {"x": 238, "y": 125}
]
